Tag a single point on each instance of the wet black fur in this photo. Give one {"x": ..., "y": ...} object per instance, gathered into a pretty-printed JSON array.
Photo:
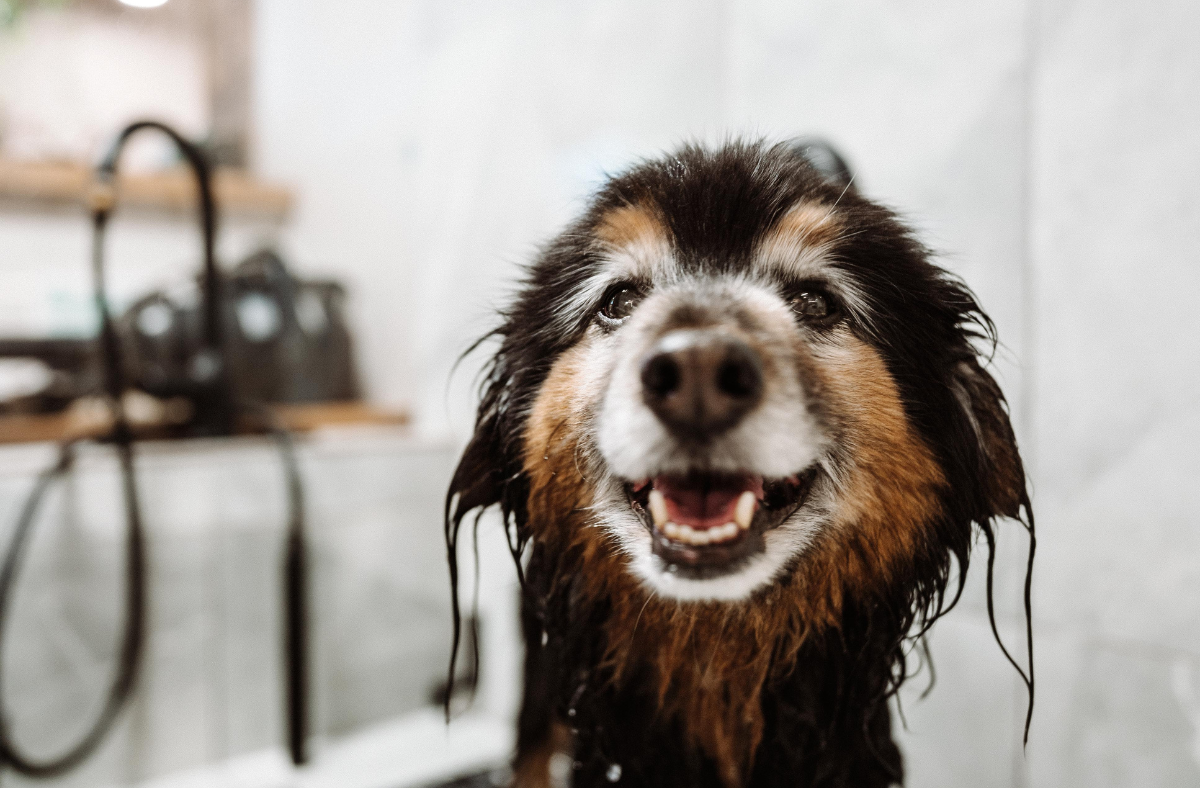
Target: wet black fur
[{"x": 828, "y": 722}]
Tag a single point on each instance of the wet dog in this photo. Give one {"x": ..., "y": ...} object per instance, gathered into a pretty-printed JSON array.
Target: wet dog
[{"x": 742, "y": 437}]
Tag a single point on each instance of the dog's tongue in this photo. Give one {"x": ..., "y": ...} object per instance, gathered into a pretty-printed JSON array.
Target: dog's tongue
[{"x": 705, "y": 501}]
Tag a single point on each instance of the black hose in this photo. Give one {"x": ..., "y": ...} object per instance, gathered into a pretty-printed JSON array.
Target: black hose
[
  {"x": 214, "y": 414},
  {"x": 295, "y": 582},
  {"x": 135, "y": 590},
  {"x": 209, "y": 393},
  {"x": 295, "y": 587},
  {"x": 208, "y": 215},
  {"x": 135, "y": 556}
]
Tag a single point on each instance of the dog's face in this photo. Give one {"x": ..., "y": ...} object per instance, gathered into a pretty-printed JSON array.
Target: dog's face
[
  {"x": 744, "y": 364},
  {"x": 713, "y": 424}
]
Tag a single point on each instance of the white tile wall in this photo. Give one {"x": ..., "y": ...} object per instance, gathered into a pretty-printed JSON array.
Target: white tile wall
[
  {"x": 476, "y": 128},
  {"x": 1115, "y": 225}
]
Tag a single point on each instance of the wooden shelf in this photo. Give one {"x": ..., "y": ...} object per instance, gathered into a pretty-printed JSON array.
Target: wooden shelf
[
  {"x": 311, "y": 416},
  {"x": 65, "y": 185},
  {"x": 91, "y": 419}
]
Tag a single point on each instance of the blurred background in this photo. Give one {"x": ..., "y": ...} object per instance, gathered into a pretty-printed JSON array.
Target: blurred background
[{"x": 403, "y": 159}]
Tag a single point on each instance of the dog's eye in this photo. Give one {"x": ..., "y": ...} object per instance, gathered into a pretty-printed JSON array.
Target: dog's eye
[
  {"x": 620, "y": 302},
  {"x": 813, "y": 305}
]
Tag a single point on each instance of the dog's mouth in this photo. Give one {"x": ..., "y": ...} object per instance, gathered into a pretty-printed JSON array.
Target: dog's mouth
[{"x": 706, "y": 524}]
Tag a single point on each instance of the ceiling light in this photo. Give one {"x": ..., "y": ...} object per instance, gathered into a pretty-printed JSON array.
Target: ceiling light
[{"x": 144, "y": 3}]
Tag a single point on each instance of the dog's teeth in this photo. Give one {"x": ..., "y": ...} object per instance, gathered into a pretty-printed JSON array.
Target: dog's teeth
[
  {"x": 743, "y": 513},
  {"x": 698, "y": 537},
  {"x": 658, "y": 508}
]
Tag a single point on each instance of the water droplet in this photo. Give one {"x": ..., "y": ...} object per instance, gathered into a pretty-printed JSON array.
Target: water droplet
[
  {"x": 570, "y": 712},
  {"x": 614, "y": 773},
  {"x": 545, "y": 637}
]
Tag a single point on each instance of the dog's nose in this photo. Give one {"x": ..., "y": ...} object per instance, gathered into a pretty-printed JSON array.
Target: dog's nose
[{"x": 701, "y": 382}]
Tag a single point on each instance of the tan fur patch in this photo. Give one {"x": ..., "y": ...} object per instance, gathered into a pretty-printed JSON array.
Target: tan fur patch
[
  {"x": 801, "y": 236},
  {"x": 891, "y": 489},
  {"x": 558, "y": 489},
  {"x": 631, "y": 225},
  {"x": 638, "y": 237},
  {"x": 711, "y": 660}
]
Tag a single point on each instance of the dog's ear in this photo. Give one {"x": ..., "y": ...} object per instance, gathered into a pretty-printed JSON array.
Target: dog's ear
[
  {"x": 1002, "y": 475},
  {"x": 476, "y": 483},
  {"x": 825, "y": 159},
  {"x": 484, "y": 477},
  {"x": 489, "y": 471}
]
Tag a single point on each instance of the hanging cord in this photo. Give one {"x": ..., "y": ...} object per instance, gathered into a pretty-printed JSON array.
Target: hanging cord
[
  {"x": 121, "y": 436},
  {"x": 209, "y": 389},
  {"x": 135, "y": 590},
  {"x": 214, "y": 414},
  {"x": 295, "y": 586}
]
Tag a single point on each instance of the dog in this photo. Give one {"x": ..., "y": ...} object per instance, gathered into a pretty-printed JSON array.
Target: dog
[{"x": 741, "y": 434}]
